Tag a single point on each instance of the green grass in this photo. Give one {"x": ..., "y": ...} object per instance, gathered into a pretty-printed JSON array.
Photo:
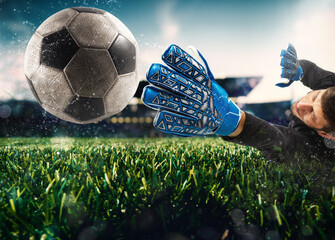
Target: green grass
[{"x": 60, "y": 188}]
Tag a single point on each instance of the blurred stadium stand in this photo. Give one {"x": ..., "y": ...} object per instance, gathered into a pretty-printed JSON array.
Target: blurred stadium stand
[{"x": 28, "y": 119}]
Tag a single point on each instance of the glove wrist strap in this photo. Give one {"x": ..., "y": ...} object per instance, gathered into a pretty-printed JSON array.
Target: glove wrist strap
[
  {"x": 299, "y": 75},
  {"x": 230, "y": 121}
]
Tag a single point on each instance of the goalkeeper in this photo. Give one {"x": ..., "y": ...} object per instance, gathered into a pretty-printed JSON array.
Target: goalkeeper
[{"x": 191, "y": 103}]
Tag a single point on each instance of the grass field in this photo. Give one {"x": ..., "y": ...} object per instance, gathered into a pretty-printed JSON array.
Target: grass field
[{"x": 176, "y": 188}]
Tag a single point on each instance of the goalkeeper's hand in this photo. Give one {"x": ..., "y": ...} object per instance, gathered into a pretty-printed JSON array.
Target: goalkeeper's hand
[
  {"x": 290, "y": 66},
  {"x": 188, "y": 99}
]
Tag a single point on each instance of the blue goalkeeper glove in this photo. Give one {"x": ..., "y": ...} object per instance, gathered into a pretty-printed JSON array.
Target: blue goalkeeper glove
[
  {"x": 290, "y": 66},
  {"x": 188, "y": 99}
]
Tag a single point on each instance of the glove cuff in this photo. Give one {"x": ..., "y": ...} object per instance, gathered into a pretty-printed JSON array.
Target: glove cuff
[
  {"x": 230, "y": 121},
  {"x": 299, "y": 75}
]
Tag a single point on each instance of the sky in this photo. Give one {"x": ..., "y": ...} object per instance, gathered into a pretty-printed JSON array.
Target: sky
[{"x": 238, "y": 37}]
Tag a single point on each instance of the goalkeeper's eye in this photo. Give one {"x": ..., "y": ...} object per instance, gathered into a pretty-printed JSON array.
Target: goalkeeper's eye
[{"x": 314, "y": 116}]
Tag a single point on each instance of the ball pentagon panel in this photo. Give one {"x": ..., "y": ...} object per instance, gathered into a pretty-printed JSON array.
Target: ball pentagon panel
[
  {"x": 57, "y": 49},
  {"x": 85, "y": 109},
  {"x": 123, "y": 53}
]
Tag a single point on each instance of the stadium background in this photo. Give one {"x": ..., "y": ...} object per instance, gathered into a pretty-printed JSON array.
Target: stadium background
[
  {"x": 238, "y": 38},
  {"x": 27, "y": 118}
]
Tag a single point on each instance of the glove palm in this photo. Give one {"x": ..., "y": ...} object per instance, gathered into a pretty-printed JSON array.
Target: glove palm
[{"x": 290, "y": 66}]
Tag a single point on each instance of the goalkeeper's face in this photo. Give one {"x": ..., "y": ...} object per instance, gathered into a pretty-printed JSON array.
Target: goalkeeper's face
[{"x": 309, "y": 110}]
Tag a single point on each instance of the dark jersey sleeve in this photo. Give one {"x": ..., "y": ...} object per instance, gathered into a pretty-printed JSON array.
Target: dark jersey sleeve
[
  {"x": 276, "y": 142},
  {"x": 315, "y": 77}
]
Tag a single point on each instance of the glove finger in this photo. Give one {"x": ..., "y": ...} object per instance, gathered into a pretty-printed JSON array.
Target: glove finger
[
  {"x": 191, "y": 50},
  {"x": 185, "y": 64},
  {"x": 157, "y": 98},
  {"x": 288, "y": 63},
  {"x": 291, "y": 49},
  {"x": 173, "y": 123},
  {"x": 288, "y": 55},
  {"x": 163, "y": 77},
  {"x": 288, "y": 73},
  {"x": 209, "y": 72}
]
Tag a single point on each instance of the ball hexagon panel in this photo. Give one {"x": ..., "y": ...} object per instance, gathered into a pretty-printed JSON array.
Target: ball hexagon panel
[
  {"x": 52, "y": 88},
  {"x": 89, "y": 9},
  {"x": 92, "y": 30},
  {"x": 33, "y": 91},
  {"x": 85, "y": 109},
  {"x": 56, "y": 22},
  {"x": 123, "y": 53},
  {"x": 33, "y": 55},
  {"x": 116, "y": 100},
  {"x": 91, "y": 72},
  {"x": 57, "y": 49},
  {"x": 121, "y": 28}
]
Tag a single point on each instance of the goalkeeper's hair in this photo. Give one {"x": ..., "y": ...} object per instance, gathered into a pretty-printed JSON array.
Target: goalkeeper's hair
[{"x": 328, "y": 108}]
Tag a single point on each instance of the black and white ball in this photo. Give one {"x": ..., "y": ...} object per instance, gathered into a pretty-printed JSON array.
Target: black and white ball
[{"x": 82, "y": 65}]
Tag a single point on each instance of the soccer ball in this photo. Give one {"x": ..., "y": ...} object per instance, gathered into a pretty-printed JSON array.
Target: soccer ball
[{"x": 82, "y": 65}]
